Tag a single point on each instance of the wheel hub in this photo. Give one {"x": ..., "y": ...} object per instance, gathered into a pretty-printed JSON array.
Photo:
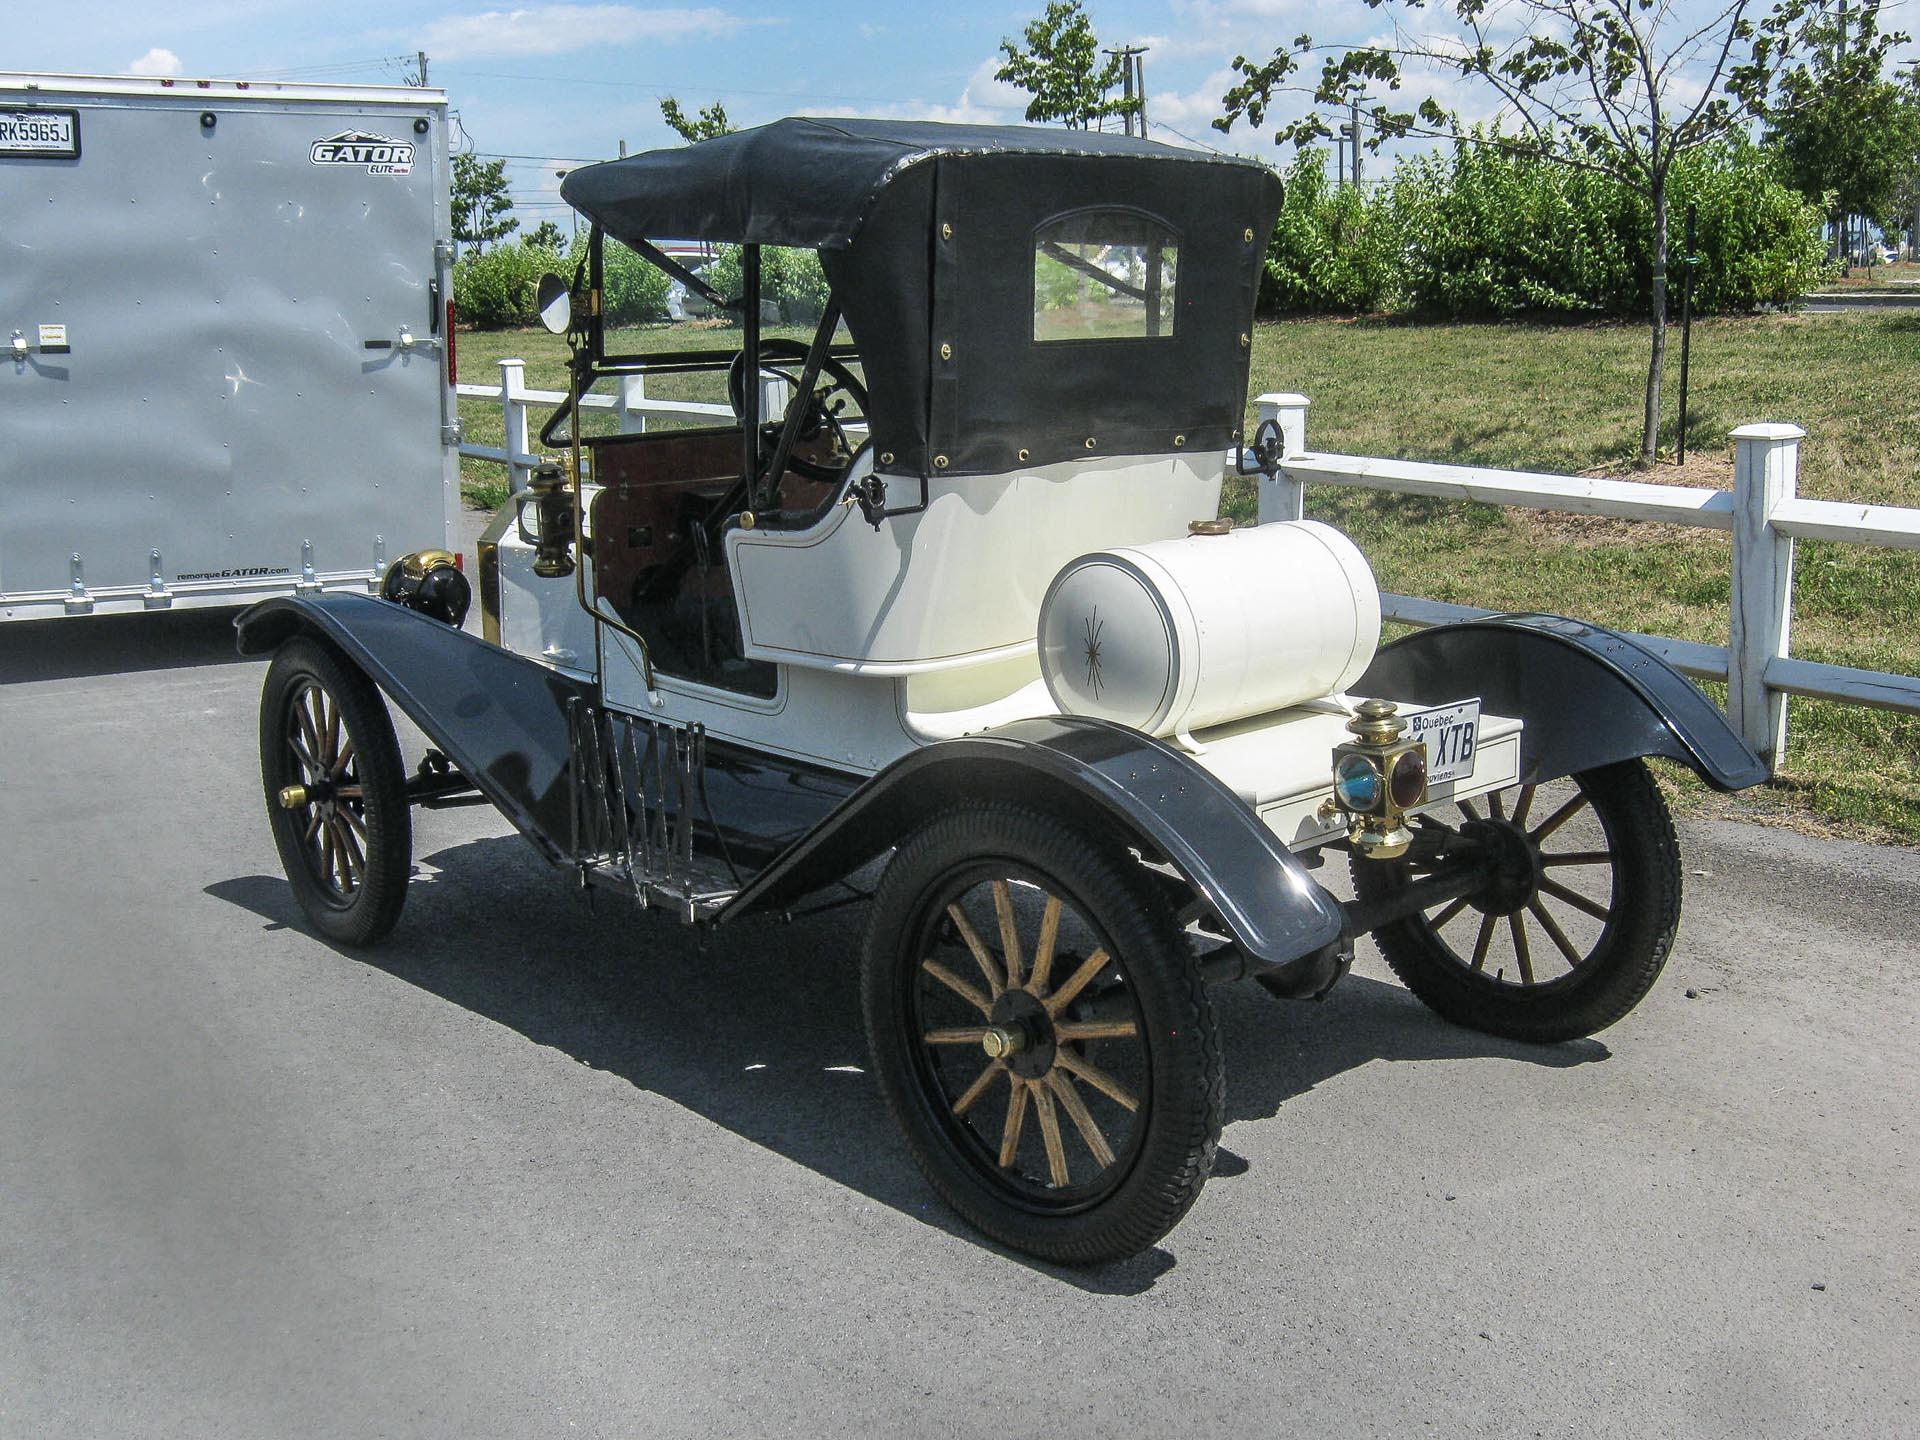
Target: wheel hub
[
  {"x": 1513, "y": 865},
  {"x": 1020, "y": 1032}
]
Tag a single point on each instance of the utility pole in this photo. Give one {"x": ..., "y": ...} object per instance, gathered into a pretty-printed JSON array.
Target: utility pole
[
  {"x": 417, "y": 80},
  {"x": 421, "y": 56},
  {"x": 1355, "y": 132},
  {"x": 1133, "y": 83}
]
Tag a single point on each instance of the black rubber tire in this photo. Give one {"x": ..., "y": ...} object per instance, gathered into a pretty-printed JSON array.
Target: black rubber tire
[
  {"x": 375, "y": 904},
  {"x": 1627, "y": 958},
  {"x": 1173, "y": 1152}
]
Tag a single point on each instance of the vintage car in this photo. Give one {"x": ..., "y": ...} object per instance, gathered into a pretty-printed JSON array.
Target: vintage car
[{"x": 957, "y": 598}]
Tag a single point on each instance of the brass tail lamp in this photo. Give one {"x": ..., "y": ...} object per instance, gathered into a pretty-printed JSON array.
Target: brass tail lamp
[{"x": 1377, "y": 777}]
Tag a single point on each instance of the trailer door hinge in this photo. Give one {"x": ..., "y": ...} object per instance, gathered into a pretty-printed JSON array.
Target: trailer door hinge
[
  {"x": 443, "y": 252},
  {"x": 451, "y": 433}
]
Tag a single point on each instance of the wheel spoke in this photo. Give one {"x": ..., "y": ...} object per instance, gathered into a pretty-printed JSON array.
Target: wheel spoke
[
  {"x": 979, "y": 1087},
  {"x": 328, "y": 856},
  {"x": 313, "y": 823},
  {"x": 343, "y": 758},
  {"x": 332, "y": 709},
  {"x": 1079, "y": 981},
  {"x": 1522, "y": 805},
  {"x": 1447, "y": 914},
  {"x": 1043, "y": 947},
  {"x": 356, "y": 857},
  {"x": 1520, "y": 951},
  {"x": 1016, "y": 1116},
  {"x": 1009, "y": 934},
  {"x": 314, "y": 713},
  {"x": 1095, "y": 1029},
  {"x": 1575, "y": 899},
  {"x": 1083, "y": 1120},
  {"x": 1579, "y": 857},
  {"x": 1481, "y": 942},
  {"x": 348, "y": 792},
  {"x": 305, "y": 740},
  {"x": 1494, "y": 807},
  {"x": 956, "y": 1035},
  {"x": 347, "y": 813},
  {"x": 959, "y": 987},
  {"x": 1559, "y": 817},
  {"x": 1555, "y": 933},
  {"x": 1050, "y": 1133},
  {"x": 1466, "y": 808},
  {"x": 996, "y": 982},
  {"x": 309, "y": 767},
  {"x": 1096, "y": 1077}
]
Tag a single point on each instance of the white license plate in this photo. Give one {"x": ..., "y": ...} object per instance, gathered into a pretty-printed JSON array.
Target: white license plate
[{"x": 1451, "y": 733}]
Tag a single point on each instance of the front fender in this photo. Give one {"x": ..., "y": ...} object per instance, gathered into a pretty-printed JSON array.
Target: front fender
[
  {"x": 1146, "y": 791},
  {"x": 1589, "y": 696},
  {"x": 500, "y": 718}
]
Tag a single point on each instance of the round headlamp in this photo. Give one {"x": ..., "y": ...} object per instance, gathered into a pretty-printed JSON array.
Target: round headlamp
[{"x": 1356, "y": 784}]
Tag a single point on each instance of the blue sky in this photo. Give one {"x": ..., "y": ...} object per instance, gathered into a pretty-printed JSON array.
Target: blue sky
[{"x": 571, "y": 80}]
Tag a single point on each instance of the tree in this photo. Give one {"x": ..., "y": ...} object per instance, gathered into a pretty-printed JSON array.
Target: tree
[
  {"x": 1620, "y": 87},
  {"x": 708, "y": 123},
  {"x": 1848, "y": 137},
  {"x": 1060, "y": 67},
  {"x": 547, "y": 236},
  {"x": 480, "y": 202}
]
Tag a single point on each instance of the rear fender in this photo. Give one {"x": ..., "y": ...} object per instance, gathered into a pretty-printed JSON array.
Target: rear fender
[
  {"x": 1101, "y": 774},
  {"x": 1589, "y": 696},
  {"x": 498, "y": 716}
]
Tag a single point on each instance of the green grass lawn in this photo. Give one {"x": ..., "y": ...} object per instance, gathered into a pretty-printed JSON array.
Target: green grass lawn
[{"x": 1566, "y": 399}]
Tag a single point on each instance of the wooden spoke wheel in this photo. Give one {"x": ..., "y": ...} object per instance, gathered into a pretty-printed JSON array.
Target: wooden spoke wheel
[
  {"x": 336, "y": 792},
  {"x": 1576, "y": 923},
  {"x": 1041, "y": 1034}
]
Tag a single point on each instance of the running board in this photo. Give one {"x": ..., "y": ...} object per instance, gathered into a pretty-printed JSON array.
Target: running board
[{"x": 637, "y": 784}]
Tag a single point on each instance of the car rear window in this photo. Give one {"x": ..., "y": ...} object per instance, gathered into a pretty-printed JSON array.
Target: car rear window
[{"x": 1104, "y": 274}]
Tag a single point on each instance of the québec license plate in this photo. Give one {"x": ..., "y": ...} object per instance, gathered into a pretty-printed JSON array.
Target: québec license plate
[{"x": 1451, "y": 733}]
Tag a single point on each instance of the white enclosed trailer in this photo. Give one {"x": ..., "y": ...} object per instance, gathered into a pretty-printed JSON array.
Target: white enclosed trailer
[{"x": 227, "y": 367}]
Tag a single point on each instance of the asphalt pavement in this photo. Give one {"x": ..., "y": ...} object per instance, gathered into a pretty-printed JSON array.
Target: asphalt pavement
[{"x": 531, "y": 1168}]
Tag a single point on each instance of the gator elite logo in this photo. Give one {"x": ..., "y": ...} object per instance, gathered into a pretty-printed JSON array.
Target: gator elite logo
[{"x": 376, "y": 154}]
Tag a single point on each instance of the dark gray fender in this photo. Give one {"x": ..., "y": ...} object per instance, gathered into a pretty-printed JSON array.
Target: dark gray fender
[
  {"x": 501, "y": 718},
  {"x": 1097, "y": 771},
  {"x": 1589, "y": 696}
]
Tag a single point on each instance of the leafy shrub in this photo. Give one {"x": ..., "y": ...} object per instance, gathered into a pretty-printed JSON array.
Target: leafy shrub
[
  {"x": 494, "y": 288},
  {"x": 1334, "y": 248},
  {"x": 1479, "y": 232},
  {"x": 791, "y": 279},
  {"x": 633, "y": 290},
  {"x": 1488, "y": 233}
]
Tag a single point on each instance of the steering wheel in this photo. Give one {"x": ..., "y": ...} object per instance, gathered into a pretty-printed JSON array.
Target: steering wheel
[{"x": 821, "y": 450}]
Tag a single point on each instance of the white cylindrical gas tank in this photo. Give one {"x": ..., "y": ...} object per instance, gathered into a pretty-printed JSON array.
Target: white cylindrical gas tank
[{"x": 1180, "y": 634}]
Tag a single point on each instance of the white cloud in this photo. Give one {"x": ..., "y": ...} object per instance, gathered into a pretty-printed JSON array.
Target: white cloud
[
  {"x": 562, "y": 29},
  {"x": 155, "y": 62}
]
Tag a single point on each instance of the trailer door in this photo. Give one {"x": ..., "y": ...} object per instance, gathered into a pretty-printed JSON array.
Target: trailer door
[{"x": 254, "y": 380}]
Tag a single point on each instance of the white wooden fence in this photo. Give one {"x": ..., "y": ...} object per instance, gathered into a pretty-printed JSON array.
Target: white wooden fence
[
  {"x": 1762, "y": 512},
  {"x": 631, "y": 405}
]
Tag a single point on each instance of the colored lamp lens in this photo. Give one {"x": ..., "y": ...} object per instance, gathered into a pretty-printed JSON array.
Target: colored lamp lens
[
  {"x": 1357, "y": 783},
  {"x": 1407, "y": 782}
]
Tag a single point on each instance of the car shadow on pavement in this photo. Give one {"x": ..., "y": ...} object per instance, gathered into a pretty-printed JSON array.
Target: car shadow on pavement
[
  {"x": 69, "y": 649},
  {"x": 757, "y": 1026}
]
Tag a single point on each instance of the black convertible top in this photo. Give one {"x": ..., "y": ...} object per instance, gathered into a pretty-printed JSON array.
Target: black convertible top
[{"x": 810, "y": 182}]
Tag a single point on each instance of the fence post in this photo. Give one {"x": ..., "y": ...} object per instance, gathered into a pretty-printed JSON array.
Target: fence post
[
  {"x": 1283, "y": 497},
  {"x": 633, "y": 419},
  {"x": 1766, "y": 471},
  {"x": 513, "y": 409}
]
